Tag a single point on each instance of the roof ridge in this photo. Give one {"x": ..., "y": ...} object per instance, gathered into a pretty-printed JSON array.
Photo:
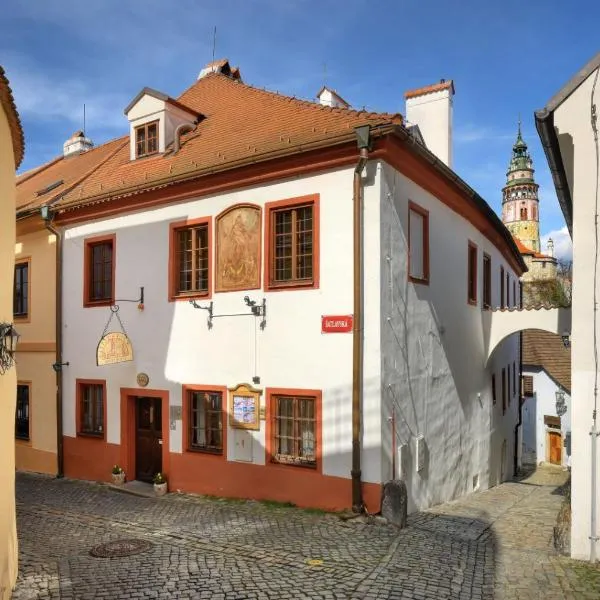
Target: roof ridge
[{"x": 303, "y": 101}]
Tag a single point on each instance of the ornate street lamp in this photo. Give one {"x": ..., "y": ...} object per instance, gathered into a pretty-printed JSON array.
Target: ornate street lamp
[
  {"x": 8, "y": 346},
  {"x": 561, "y": 405}
]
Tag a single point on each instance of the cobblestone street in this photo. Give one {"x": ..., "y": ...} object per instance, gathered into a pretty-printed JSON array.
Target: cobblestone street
[{"x": 493, "y": 544}]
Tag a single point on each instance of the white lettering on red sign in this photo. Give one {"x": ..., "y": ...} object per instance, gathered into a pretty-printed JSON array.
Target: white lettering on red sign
[{"x": 336, "y": 323}]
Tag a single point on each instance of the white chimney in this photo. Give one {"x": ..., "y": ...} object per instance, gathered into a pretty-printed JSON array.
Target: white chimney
[
  {"x": 331, "y": 98},
  {"x": 77, "y": 144},
  {"x": 550, "y": 247},
  {"x": 431, "y": 109}
]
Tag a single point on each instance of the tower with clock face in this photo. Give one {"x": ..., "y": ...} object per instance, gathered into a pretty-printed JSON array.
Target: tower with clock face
[{"x": 520, "y": 204}]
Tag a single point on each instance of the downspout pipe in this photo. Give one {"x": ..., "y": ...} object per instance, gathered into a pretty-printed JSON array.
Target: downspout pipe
[
  {"x": 363, "y": 140},
  {"x": 59, "y": 358},
  {"x": 519, "y": 387}
]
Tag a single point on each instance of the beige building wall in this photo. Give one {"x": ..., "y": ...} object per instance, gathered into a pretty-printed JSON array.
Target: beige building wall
[
  {"x": 37, "y": 351},
  {"x": 8, "y": 533}
]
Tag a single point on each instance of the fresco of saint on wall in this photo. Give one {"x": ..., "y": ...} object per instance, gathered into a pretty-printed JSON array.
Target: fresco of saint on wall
[{"x": 238, "y": 249}]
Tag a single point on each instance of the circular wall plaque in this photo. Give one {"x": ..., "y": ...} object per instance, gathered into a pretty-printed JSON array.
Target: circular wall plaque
[{"x": 142, "y": 379}]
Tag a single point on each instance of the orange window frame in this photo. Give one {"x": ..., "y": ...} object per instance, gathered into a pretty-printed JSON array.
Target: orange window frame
[
  {"x": 412, "y": 206},
  {"x": 89, "y": 244},
  {"x": 145, "y": 127},
  {"x": 271, "y": 398},
  {"x": 269, "y": 269},
  {"x": 186, "y": 391},
  {"x": 472, "y": 280},
  {"x": 174, "y": 294},
  {"x": 79, "y": 387}
]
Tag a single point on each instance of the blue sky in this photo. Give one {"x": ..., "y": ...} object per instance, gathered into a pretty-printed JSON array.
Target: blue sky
[{"x": 505, "y": 58}]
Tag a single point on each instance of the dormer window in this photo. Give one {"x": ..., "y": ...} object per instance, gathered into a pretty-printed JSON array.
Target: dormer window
[{"x": 146, "y": 139}]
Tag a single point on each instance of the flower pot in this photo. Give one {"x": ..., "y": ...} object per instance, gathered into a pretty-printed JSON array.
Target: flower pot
[
  {"x": 118, "y": 478},
  {"x": 160, "y": 489}
]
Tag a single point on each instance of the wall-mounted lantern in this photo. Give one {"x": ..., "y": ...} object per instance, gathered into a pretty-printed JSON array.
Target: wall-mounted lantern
[
  {"x": 8, "y": 346},
  {"x": 566, "y": 339},
  {"x": 561, "y": 404}
]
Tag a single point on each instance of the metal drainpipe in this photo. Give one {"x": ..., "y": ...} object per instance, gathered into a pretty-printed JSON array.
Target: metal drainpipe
[
  {"x": 357, "y": 334},
  {"x": 519, "y": 387},
  {"x": 59, "y": 428}
]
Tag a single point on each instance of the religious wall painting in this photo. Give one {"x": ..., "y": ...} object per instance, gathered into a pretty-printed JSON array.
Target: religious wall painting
[{"x": 238, "y": 249}]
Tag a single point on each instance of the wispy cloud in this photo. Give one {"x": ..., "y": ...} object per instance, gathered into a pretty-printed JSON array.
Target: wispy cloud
[
  {"x": 563, "y": 246},
  {"x": 471, "y": 133}
]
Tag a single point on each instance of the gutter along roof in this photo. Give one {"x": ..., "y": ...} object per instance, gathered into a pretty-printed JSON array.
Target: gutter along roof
[
  {"x": 248, "y": 136},
  {"x": 544, "y": 122}
]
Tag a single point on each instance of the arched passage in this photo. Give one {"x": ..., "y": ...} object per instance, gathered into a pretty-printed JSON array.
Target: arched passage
[{"x": 507, "y": 322}]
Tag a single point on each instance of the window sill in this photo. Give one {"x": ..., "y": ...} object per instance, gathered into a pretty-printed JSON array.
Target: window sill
[
  {"x": 215, "y": 453},
  {"x": 280, "y": 463},
  {"x": 23, "y": 441},
  {"x": 189, "y": 296},
  {"x": 422, "y": 281},
  {"x": 93, "y": 303},
  {"x": 291, "y": 285},
  {"x": 94, "y": 436}
]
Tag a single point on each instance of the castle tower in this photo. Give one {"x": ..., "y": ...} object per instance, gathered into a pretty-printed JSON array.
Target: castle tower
[{"x": 520, "y": 205}]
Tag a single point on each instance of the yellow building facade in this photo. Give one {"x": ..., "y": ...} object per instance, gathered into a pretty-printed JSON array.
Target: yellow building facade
[{"x": 11, "y": 154}]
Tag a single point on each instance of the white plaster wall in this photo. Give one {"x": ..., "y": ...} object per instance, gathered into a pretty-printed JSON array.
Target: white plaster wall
[
  {"x": 572, "y": 124},
  {"x": 434, "y": 354},
  {"x": 543, "y": 403},
  {"x": 433, "y": 114},
  {"x": 173, "y": 345}
]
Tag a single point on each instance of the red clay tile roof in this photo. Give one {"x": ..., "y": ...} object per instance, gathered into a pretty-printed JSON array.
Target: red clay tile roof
[
  {"x": 16, "y": 131},
  {"x": 523, "y": 249},
  {"x": 70, "y": 170},
  {"x": 546, "y": 350},
  {"x": 429, "y": 89},
  {"x": 242, "y": 123}
]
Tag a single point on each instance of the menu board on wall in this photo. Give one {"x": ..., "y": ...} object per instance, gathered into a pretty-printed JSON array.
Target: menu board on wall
[{"x": 244, "y": 407}]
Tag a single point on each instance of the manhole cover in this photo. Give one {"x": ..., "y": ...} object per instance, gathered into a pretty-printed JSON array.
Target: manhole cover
[{"x": 120, "y": 548}]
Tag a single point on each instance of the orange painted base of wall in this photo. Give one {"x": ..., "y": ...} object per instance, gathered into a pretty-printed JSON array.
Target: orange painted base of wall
[
  {"x": 89, "y": 458},
  {"x": 92, "y": 459},
  {"x": 34, "y": 460},
  {"x": 303, "y": 487}
]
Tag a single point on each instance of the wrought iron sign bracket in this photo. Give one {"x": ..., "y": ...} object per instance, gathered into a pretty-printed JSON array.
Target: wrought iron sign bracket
[
  {"x": 139, "y": 301},
  {"x": 256, "y": 310}
]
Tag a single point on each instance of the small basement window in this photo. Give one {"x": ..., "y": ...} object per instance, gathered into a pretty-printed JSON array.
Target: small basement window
[{"x": 146, "y": 139}]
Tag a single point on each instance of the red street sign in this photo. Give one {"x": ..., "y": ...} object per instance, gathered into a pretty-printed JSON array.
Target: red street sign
[{"x": 336, "y": 323}]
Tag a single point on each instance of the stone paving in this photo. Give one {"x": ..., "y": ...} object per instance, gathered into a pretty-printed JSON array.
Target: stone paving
[{"x": 494, "y": 544}]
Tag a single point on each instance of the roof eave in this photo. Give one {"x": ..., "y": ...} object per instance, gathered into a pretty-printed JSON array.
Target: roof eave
[
  {"x": 447, "y": 172},
  {"x": 544, "y": 123}
]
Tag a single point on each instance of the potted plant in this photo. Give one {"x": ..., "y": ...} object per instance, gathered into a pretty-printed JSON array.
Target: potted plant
[
  {"x": 118, "y": 475},
  {"x": 160, "y": 484}
]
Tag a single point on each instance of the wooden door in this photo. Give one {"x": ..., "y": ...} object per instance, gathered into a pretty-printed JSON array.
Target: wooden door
[
  {"x": 555, "y": 443},
  {"x": 148, "y": 442}
]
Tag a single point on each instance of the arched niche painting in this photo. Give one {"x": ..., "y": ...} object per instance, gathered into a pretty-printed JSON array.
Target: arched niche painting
[{"x": 238, "y": 249}]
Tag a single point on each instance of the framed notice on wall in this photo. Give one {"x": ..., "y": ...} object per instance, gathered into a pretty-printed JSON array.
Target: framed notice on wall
[{"x": 244, "y": 407}]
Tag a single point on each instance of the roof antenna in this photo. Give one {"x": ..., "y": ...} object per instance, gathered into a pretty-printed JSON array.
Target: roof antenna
[
  {"x": 325, "y": 74},
  {"x": 84, "y": 119},
  {"x": 214, "y": 43}
]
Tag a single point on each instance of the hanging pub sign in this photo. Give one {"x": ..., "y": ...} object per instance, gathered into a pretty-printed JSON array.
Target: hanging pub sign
[
  {"x": 244, "y": 407},
  {"x": 114, "y": 346}
]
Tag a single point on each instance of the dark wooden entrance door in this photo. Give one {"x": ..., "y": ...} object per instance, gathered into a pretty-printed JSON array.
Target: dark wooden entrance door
[{"x": 148, "y": 441}]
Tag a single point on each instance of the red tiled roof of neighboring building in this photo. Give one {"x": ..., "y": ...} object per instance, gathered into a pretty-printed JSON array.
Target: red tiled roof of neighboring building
[
  {"x": 242, "y": 123},
  {"x": 71, "y": 170},
  {"x": 430, "y": 89},
  {"x": 16, "y": 130},
  {"x": 547, "y": 351},
  {"x": 523, "y": 249}
]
